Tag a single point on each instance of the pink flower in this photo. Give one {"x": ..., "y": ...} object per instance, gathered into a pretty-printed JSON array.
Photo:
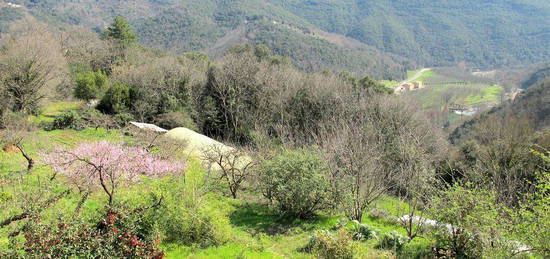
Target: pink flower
[{"x": 108, "y": 165}]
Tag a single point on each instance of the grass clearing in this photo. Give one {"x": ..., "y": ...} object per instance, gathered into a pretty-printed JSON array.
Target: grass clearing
[
  {"x": 411, "y": 73},
  {"x": 425, "y": 75},
  {"x": 490, "y": 94},
  {"x": 54, "y": 109},
  {"x": 442, "y": 91},
  {"x": 389, "y": 83}
]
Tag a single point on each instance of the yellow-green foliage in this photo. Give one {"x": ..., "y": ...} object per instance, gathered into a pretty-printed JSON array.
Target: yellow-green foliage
[
  {"x": 389, "y": 83},
  {"x": 188, "y": 216},
  {"x": 489, "y": 94},
  {"x": 54, "y": 109},
  {"x": 425, "y": 75},
  {"x": 332, "y": 245}
]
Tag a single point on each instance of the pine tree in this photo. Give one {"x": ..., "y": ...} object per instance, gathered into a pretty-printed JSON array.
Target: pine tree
[{"x": 121, "y": 31}]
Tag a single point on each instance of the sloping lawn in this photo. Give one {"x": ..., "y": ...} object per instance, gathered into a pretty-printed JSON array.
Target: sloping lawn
[{"x": 51, "y": 110}]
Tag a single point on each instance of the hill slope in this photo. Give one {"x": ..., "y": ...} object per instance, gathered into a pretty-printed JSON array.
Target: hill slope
[
  {"x": 483, "y": 32},
  {"x": 209, "y": 26},
  {"x": 533, "y": 104},
  {"x": 350, "y": 35}
]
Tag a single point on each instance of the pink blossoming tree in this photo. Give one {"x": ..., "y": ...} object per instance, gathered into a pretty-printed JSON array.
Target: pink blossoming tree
[{"x": 108, "y": 166}]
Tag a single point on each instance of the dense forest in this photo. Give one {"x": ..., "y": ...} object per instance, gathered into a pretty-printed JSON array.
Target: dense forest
[
  {"x": 250, "y": 157},
  {"x": 483, "y": 33},
  {"x": 351, "y": 35}
]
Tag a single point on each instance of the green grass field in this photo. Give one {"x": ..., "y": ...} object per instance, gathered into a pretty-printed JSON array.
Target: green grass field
[
  {"x": 438, "y": 93},
  {"x": 54, "y": 109},
  {"x": 258, "y": 233},
  {"x": 426, "y": 75},
  {"x": 490, "y": 94},
  {"x": 389, "y": 83}
]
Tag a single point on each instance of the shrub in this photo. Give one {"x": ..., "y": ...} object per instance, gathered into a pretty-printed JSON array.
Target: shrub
[
  {"x": 295, "y": 182},
  {"x": 331, "y": 245},
  {"x": 193, "y": 226},
  {"x": 96, "y": 119},
  {"x": 116, "y": 99},
  {"x": 472, "y": 226},
  {"x": 89, "y": 85},
  {"x": 363, "y": 231},
  {"x": 392, "y": 241},
  {"x": 123, "y": 118},
  {"x": 68, "y": 120},
  {"x": 378, "y": 214},
  {"x": 175, "y": 119},
  {"x": 341, "y": 223},
  {"x": 187, "y": 216},
  {"x": 113, "y": 236}
]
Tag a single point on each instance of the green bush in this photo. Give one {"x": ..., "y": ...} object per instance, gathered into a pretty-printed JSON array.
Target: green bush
[
  {"x": 474, "y": 227},
  {"x": 392, "y": 241},
  {"x": 175, "y": 119},
  {"x": 96, "y": 119},
  {"x": 295, "y": 182},
  {"x": 123, "y": 118},
  {"x": 363, "y": 231},
  {"x": 114, "y": 235},
  {"x": 198, "y": 227},
  {"x": 68, "y": 120},
  {"x": 89, "y": 85},
  {"x": 188, "y": 217},
  {"x": 116, "y": 99},
  {"x": 331, "y": 245}
]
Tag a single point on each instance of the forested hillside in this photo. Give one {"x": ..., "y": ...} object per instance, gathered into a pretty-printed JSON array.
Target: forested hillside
[
  {"x": 541, "y": 73},
  {"x": 483, "y": 32},
  {"x": 206, "y": 26},
  {"x": 368, "y": 36}
]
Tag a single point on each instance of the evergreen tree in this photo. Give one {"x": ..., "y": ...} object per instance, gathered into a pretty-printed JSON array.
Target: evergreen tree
[{"x": 121, "y": 31}]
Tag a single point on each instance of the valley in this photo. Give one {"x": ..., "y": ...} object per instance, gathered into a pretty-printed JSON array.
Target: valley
[{"x": 333, "y": 129}]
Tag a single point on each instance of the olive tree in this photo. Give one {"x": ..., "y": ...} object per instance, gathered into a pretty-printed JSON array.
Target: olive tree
[{"x": 295, "y": 182}]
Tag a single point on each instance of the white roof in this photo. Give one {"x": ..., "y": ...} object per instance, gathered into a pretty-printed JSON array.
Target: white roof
[{"x": 147, "y": 126}]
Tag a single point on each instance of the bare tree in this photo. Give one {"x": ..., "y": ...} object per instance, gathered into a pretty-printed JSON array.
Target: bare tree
[
  {"x": 234, "y": 165},
  {"x": 30, "y": 64},
  {"x": 415, "y": 182},
  {"x": 17, "y": 131},
  {"x": 157, "y": 142},
  {"x": 358, "y": 176},
  {"x": 501, "y": 154}
]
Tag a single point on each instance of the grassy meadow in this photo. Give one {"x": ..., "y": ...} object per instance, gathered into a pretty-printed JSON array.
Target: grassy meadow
[{"x": 250, "y": 227}]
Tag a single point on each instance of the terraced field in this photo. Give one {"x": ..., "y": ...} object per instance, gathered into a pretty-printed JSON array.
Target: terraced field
[{"x": 442, "y": 91}]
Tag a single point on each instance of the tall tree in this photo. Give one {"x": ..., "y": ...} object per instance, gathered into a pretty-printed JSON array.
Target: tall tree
[{"x": 121, "y": 31}]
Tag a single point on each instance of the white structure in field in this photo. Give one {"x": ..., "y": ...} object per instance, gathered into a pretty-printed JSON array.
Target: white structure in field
[
  {"x": 149, "y": 127},
  {"x": 12, "y": 5}
]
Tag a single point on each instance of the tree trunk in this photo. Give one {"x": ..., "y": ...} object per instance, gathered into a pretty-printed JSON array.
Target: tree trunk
[{"x": 30, "y": 161}]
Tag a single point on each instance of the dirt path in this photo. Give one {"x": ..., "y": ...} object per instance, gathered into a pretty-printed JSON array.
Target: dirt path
[{"x": 415, "y": 76}]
